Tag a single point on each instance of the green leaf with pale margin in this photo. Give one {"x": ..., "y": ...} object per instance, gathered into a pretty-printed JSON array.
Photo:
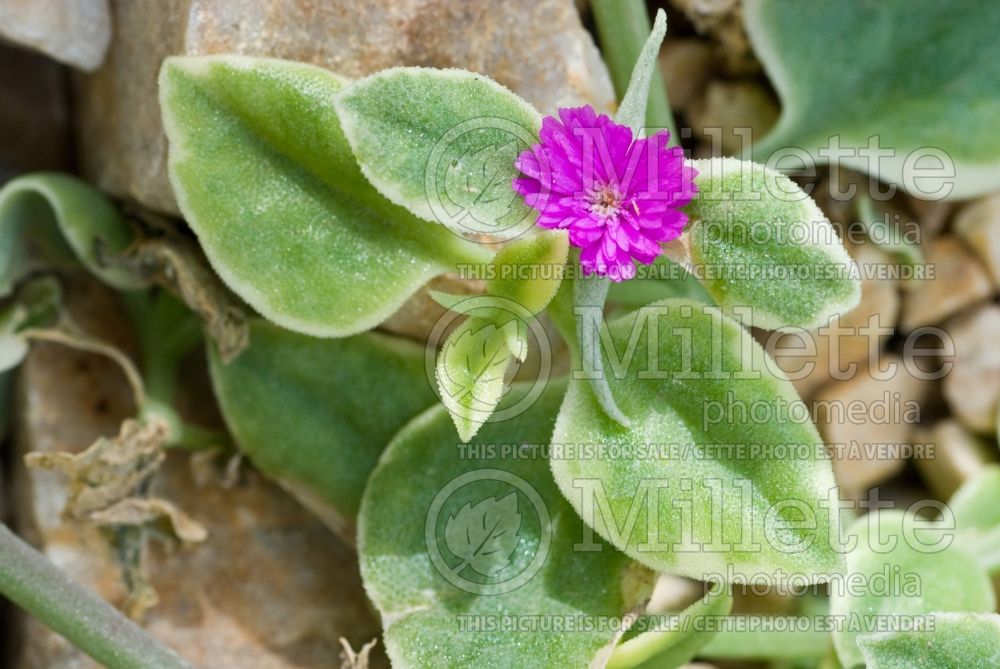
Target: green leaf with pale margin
[
  {"x": 528, "y": 271},
  {"x": 749, "y": 220},
  {"x": 470, "y": 371},
  {"x": 442, "y": 143},
  {"x": 422, "y": 611},
  {"x": 632, "y": 111},
  {"x": 958, "y": 641},
  {"x": 939, "y": 580},
  {"x": 919, "y": 74},
  {"x": 62, "y": 216},
  {"x": 676, "y": 372},
  {"x": 265, "y": 177},
  {"x": 517, "y": 338},
  {"x": 976, "y": 507},
  {"x": 315, "y": 414},
  {"x": 674, "y": 647}
]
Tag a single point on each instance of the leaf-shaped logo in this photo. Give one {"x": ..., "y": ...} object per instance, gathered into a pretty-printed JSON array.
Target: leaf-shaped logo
[
  {"x": 480, "y": 181},
  {"x": 485, "y": 535},
  {"x": 477, "y": 360}
]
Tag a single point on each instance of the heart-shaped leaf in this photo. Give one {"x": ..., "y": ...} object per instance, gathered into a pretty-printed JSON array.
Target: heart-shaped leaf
[
  {"x": 440, "y": 611},
  {"x": 932, "y": 575},
  {"x": 265, "y": 177},
  {"x": 470, "y": 371},
  {"x": 765, "y": 248},
  {"x": 714, "y": 478},
  {"x": 442, "y": 143},
  {"x": 906, "y": 72},
  {"x": 316, "y": 413},
  {"x": 957, "y": 641},
  {"x": 56, "y": 213}
]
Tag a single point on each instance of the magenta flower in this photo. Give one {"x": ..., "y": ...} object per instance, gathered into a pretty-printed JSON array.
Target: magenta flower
[{"x": 619, "y": 198}]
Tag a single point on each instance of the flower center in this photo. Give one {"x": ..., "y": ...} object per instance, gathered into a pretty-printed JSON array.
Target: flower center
[{"x": 605, "y": 201}]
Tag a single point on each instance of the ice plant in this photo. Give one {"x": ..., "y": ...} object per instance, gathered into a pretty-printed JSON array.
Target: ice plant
[
  {"x": 554, "y": 479},
  {"x": 619, "y": 197}
]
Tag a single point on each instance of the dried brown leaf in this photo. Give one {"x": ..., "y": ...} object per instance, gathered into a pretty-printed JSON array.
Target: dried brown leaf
[
  {"x": 110, "y": 470},
  {"x": 351, "y": 660},
  {"x": 143, "y": 511}
]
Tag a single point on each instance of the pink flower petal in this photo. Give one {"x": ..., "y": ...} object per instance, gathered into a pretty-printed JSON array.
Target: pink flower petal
[{"x": 619, "y": 197}]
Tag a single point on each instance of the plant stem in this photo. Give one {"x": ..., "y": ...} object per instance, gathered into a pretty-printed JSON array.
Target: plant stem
[
  {"x": 32, "y": 582},
  {"x": 589, "y": 295},
  {"x": 677, "y": 644},
  {"x": 180, "y": 433},
  {"x": 788, "y": 643},
  {"x": 167, "y": 332},
  {"x": 623, "y": 26}
]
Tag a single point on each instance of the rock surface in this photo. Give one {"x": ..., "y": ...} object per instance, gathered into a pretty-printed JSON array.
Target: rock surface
[
  {"x": 74, "y": 32},
  {"x": 864, "y": 418},
  {"x": 538, "y": 48},
  {"x": 732, "y": 116},
  {"x": 722, "y": 20},
  {"x": 933, "y": 215},
  {"x": 972, "y": 389},
  {"x": 686, "y": 65},
  {"x": 959, "y": 281},
  {"x": 271, "y": 588},
  {"x": 978, "y": 224},
  {"x": 957, "y": 456}
]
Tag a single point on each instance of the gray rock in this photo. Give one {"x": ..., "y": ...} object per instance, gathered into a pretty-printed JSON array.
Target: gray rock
[
  {"x": 537, "y": 48},
  {"x": 732, "y": 115},
  {"x": 959, "y": 281},
  {"x": 863, "y": 417},
  {"x": 972, "y": 389},
  {"x": 74, "y": 32},
  {"x": 952, "y": 456},
  {"x": 686, "y": 65},
  {"x": 978, "y": 224}
]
